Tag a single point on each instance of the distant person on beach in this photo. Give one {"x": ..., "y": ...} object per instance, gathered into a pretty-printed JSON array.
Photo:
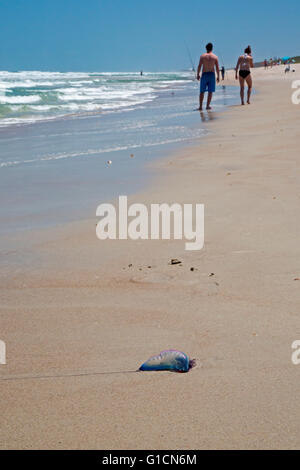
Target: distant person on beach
[
  {"x": 223, "y": 72},
  {"x": 209, "y": 62},
  {"x": 244, "y": 63},
  {"x": 266, "y": 64}
]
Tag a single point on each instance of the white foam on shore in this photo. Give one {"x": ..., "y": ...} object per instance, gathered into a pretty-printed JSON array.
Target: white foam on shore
[
  {"x": 67, "y": 93},
  {"x": 91, "y": 152},
  {"x": 19, "y": 99}
]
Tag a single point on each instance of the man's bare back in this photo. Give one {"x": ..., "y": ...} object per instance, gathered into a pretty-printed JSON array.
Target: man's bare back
[
  {"x": 208, "y": 64},
  {"x": 209, "y": 61}
]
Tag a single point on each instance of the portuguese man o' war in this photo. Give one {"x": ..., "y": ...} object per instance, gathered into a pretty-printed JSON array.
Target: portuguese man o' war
[{"x": 171, "y": 359}]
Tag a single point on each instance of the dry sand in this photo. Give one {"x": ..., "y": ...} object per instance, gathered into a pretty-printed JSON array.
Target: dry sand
[{"x": 70, "y": 304}]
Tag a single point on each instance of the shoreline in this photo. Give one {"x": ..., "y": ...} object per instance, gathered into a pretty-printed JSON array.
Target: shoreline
[
  {"x": 60, "y": 172},
  {"x": 77, "y": 305}
]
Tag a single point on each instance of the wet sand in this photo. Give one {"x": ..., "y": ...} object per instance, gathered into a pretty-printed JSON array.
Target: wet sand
[{"x": 78, "y": 319}]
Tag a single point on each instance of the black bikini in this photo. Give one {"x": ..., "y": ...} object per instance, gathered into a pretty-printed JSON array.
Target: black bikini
[{"x": 244, "y": 73}]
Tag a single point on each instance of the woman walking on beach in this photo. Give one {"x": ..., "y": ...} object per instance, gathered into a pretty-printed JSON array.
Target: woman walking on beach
[{"x": 244, "y": 63}]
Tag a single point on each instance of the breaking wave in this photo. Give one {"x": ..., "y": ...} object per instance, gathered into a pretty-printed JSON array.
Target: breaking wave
[{"x": 27, "y": 97}]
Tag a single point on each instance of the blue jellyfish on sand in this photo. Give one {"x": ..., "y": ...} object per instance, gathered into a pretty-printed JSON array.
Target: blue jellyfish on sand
[{"x": 170, "y": 359}]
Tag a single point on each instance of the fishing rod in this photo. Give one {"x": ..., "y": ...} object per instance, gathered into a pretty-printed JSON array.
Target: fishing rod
[
  {"x": 191, "y": 59},
  {"x": 222, "y": 59},
  {"x": 223, "y": 63}
]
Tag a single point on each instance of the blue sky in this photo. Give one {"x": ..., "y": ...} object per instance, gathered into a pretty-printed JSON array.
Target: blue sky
[{"x": 127, "y": 35}]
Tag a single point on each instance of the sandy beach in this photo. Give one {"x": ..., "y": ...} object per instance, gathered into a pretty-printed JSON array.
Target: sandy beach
[{"x": 80, "y": 315}]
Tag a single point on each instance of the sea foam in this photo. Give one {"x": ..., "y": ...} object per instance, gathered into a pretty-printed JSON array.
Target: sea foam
[{"x": 63, "y": 94}]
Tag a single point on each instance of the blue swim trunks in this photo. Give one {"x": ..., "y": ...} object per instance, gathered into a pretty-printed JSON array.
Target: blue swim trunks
[{"x": 208, "y": 82}]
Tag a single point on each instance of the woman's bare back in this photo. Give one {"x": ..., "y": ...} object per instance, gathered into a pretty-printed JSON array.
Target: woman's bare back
[{"x": 245, "y": 62}]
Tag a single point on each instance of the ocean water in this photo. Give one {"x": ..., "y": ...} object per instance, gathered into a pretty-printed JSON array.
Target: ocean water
[
  {"x": 59, "y": 130},
  {"x": 27, "y": 97}
]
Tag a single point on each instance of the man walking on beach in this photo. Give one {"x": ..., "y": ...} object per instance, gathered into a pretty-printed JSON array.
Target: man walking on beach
[
  {"x": 209, "y": 62},
  {"x": 223, "y": 73}
]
